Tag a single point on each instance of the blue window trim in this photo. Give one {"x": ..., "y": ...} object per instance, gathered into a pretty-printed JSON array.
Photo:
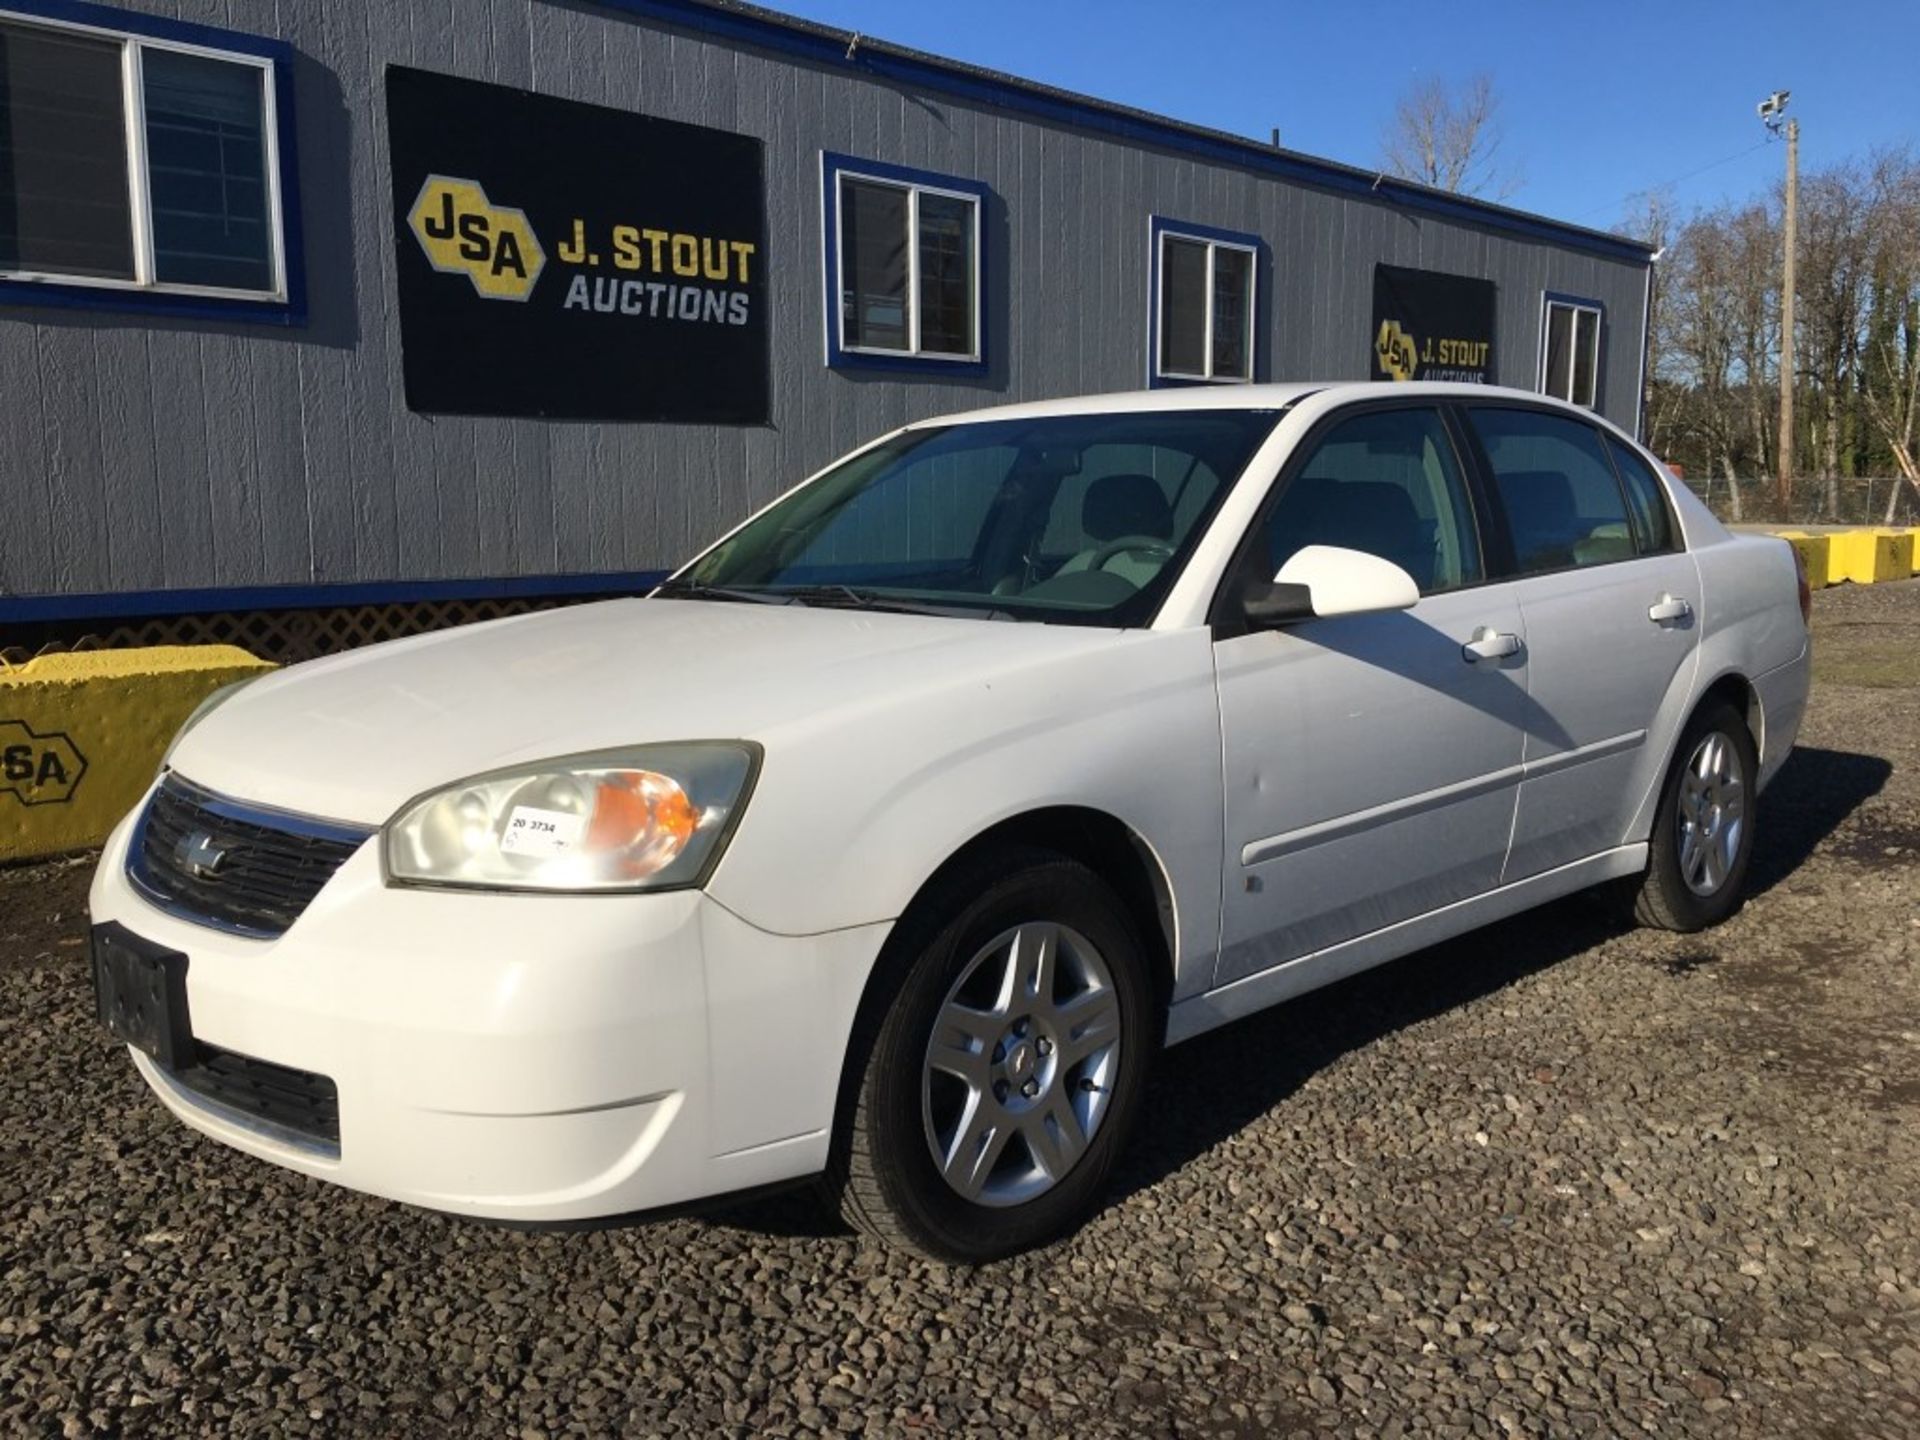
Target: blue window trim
[
  {"x": 832, "y": 167},
  {"x": 842, "y": 51},
  {"x": 290, "y": 311},
  {"x": 1159, "y": 225},
  {"x": 137, "y": 604},
  {"x": 1560, "y": 297}
]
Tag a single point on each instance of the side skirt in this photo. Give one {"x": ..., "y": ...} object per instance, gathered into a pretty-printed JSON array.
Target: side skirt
[{"x": 1205, "y": 1012}]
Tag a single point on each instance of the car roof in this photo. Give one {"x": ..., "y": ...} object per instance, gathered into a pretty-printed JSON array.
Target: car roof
[{"x": 1246, "y": 397}]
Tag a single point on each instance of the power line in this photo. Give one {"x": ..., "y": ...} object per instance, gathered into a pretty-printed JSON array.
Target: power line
[{"x": 1662, "y": 184}]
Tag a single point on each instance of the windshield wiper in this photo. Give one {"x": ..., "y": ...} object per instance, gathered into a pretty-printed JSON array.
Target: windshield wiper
[
  {"x": 852, "y": 598},
  {"x": 698, "y": 590}
]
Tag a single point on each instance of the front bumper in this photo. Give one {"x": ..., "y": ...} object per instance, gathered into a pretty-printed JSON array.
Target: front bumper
[{"x": 522, "y": 1057}]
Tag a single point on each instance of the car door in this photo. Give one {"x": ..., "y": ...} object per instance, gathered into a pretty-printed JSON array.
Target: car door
[
  {"x": 1608, "y": 602},
  {"x": 1370, "y": 761}
]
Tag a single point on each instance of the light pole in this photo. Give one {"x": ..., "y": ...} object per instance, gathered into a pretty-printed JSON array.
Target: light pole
[{"x": 1773, "y": 115}]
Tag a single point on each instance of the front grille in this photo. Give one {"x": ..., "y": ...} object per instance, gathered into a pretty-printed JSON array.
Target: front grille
[
  {"x": 230, "y": 865},
  {"x": 303, "y": 1105}
]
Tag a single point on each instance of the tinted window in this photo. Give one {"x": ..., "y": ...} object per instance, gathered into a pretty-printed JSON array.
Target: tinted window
[
  {"x": 206, "y": 156},
  {"x": 1562, "y": 503},
  {"x": 1386, "y": 482},
  {"x": 1651, "y": 519},
  {"x": 64, "y": 208}
]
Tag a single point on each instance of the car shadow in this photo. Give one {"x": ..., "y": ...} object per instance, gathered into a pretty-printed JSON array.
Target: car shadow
[
  {"x": 1811, "y": 797},
  {"x": 1212, "y": 1088}
]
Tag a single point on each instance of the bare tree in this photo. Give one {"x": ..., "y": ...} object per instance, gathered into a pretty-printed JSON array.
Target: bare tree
[
  {"x": 1890, "y": 378},
  {"x": 1449, "y": 139}
]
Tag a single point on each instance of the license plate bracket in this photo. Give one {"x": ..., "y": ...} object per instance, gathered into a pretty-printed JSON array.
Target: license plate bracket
[{"x": 140, "y": 994}]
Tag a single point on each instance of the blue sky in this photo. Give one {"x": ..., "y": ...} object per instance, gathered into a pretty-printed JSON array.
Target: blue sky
[{"x": 1598, "y": 101}]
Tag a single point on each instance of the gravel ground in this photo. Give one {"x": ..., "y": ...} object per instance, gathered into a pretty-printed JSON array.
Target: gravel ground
[{"x": 1558, "y": 1178}]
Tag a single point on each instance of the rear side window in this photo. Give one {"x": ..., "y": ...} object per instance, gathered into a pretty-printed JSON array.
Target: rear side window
[
  {"x": 1652, "y": 522},
  {"x": 1386, "y": 482},
  {"x": 1563, "y": 505}
]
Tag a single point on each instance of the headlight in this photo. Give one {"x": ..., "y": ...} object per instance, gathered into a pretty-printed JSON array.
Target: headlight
[
  {"x": 205, "y": 708},
  {"x": 655, "y": 817}
]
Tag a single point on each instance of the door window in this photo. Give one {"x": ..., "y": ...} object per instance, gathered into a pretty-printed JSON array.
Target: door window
[
  {"x": 1386, "y": 482},
  {"x": 1562, "y": 502}
]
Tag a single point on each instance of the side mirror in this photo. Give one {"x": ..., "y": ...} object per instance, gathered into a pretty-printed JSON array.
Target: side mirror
[{"x": 1321, "y": 581}]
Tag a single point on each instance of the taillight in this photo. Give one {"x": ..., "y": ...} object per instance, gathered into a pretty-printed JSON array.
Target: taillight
[{"x": 1806, "y": 590}]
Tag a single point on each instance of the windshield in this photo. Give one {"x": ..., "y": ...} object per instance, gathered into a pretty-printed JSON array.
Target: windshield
[{"x": 1076, "y": 518}]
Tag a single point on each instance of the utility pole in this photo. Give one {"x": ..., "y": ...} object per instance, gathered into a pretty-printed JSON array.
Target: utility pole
[{"x": 1772, "y": 112}]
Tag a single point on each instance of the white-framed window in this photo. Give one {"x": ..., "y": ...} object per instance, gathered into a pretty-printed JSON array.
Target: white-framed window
[
  {"x": 139, "y": 163},
  {"x": 904, "y": 265},
  {"x": 1203, "y": 304},
  {"x": 1570, "y": 349}
]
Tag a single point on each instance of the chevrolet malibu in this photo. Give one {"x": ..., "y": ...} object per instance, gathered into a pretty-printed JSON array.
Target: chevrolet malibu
[{"x": 886, "y": 843}]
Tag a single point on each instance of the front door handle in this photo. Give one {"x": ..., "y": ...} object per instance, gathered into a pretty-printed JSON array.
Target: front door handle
[
  {"x": 1490, "y": 644},
  {"x": 1669, "y": 607}
]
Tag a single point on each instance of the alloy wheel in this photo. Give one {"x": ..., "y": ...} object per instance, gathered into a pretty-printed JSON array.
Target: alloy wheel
[
  {"x": 1021, "y": 1064},
  {"x": 1711, "y": 814}
]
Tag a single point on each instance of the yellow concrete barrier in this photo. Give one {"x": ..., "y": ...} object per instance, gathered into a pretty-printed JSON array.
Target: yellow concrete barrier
[
  {"x": 1865, "y": 556},
  {"x": 81, "y": 735},
  {"x": 1815, "y": 553},
  {"x": 1910, "y": 538}
]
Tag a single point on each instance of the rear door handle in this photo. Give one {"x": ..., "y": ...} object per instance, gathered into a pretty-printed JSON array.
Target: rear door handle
[
  {"x": 1669, "y": 607},
  {"x": 1490, "y": 644}
]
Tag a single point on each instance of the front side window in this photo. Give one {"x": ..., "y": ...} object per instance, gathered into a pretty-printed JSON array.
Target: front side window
[
  {"x": 1204, "y": 304},
  {"x": 1387, "y": 482},
  {"x": 1554, "y": 482},
  {"x": 904, "y": 261},
  {"x": 1570, "y": 351},
  {"x": 1077, "y": 518},
  {"x": 134, "y": 163}
]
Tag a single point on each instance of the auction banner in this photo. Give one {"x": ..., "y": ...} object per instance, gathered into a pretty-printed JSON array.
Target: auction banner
[
  {"x": 574, "y": 262},
  {"x": 1428, "y": 325}
]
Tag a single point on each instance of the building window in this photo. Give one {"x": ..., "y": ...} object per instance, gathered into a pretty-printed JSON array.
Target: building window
[
  {"x": 1570, "y": 350},
  {"x": 138, "y": 162},
  {"x": 904, "y": 266},
  {"x": 1203, "y": 304}
]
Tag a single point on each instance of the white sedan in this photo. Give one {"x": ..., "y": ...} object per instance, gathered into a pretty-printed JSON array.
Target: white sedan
[{"x": 889, "y": 840}]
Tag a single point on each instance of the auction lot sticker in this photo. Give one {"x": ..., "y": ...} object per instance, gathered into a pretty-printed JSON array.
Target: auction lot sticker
[{"x": 572, "y": 261}]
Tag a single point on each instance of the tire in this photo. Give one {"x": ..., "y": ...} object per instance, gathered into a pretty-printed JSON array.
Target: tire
[
  {"x": 1690, "y": 886},
  {"x": 953, "y": 1059}
]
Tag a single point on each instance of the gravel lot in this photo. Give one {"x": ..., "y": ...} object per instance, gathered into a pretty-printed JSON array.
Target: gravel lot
[{"x": 1559, "y": 1178}]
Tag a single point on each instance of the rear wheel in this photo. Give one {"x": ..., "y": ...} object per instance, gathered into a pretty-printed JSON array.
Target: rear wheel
[
  {"x": 1703, "y": 833},
  {"x": 1005, "y": 1068}
]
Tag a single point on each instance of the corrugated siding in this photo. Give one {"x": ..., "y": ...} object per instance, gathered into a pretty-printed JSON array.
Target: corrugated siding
[{"x": 141, "y": 454}]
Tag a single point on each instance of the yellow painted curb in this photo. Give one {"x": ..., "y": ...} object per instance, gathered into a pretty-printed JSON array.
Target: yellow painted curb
[
  {"x": 1866, "y": 556},
  {"x": 1816, "y": 555},
  {"x": 82, "y": 734}
]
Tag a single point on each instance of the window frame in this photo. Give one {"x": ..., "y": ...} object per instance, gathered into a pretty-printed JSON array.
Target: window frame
[
  {"x": 836, "y": 168},
  {"x": 1551, "y": 300},
  {"x": 135, "y": 33},
  {"x": 1160, "y": 229}
]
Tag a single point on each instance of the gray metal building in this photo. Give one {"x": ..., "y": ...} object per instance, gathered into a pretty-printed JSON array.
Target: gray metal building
[{"x": 223, "y": 385}]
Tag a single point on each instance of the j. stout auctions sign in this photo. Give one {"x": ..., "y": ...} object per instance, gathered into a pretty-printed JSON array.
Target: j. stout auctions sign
[
  {"x": 1431, "y": 326},
  {"x": 575, "y": 262}
]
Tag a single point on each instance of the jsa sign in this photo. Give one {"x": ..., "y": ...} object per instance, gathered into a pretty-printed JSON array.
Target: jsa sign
[{"x": 538, "y": 277}]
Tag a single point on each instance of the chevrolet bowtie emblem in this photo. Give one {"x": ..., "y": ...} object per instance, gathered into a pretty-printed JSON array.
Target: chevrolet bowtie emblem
[{"x": 199, "y": 856}]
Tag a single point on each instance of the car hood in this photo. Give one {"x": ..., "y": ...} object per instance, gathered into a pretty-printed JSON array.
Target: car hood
[{"x": 354, "y": 736}]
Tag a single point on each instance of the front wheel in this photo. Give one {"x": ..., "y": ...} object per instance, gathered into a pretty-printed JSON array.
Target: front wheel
[
  {"x": 1006, "y": 1067},
  {"x": 1703, "y": 831}
]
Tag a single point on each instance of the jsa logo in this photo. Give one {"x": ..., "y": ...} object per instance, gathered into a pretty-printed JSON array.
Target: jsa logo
[
  {"x": 465, "y": 234},
  {"x": 38, "y": 769}
]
